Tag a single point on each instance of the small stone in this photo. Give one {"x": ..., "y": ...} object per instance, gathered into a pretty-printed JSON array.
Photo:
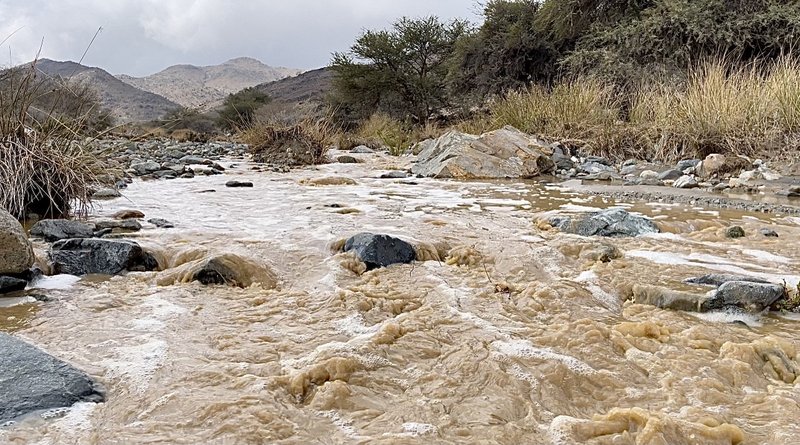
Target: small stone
[
  {"x": 769, "y": 233},
  {"x": 106, "y": 193},
  {"x": 648, "y": 174},
  {"x": 238, "y": 184},
  {"x": 362, "y": 149},
  {"x": 378, "y": 251},
  {"x": 161, "y": 223},
  {"x": 735, "y": 232},
  {"x": 670, "y": 175},
  {"x": 395, "y": 174},
  {"x": 130, "y": 225},
  {"x": 57, "y": 229},
  {"x": 686, "y": 182},
  {"x": 347, "y": 160},
  {"x": 128, "y": 214}
]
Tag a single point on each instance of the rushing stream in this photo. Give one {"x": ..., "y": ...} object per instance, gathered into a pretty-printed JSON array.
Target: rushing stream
[{"x": 521, "y": 337}]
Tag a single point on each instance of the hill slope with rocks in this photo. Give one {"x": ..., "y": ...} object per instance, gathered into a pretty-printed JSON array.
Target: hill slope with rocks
[
  {"x": 205, "y": 87},
  {"x": 311, "y": 86},
  {"x": 126, "y": 102}
]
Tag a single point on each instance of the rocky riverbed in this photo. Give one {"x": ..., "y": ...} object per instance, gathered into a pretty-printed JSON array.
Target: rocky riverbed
[{"x": 511, "y": 311}]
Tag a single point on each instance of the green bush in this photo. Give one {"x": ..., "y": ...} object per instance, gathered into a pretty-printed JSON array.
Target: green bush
[{"x": 238, "y": 110}]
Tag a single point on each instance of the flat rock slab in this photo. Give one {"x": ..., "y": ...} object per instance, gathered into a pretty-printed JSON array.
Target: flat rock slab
[
  {"x": 612, "y": 223},
  {"x": 718, "y": 279},
  {"x": 31, "y": 380},
  {"x": 99, "y": 256},
  {"x": 57, "y": 229}
]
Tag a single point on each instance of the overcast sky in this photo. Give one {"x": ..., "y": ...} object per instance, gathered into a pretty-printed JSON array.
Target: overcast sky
[{"x": 141, "y": 37}]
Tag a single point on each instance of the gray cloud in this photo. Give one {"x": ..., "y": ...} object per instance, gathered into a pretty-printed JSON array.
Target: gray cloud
[{"x": 143, "y": 36}]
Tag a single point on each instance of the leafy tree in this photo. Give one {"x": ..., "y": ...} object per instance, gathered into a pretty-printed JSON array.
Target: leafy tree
[
  {"x": 400, "y": 71},
  {"x": 239, "y": 108}
]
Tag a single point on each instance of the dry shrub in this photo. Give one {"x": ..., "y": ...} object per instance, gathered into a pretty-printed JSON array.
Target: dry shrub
[
  {"x": 720, "y": 108},
  {"x": 46, "y": 165},
  {"x": 302, "y": 143},
  {"x": 381, "y": 130}
]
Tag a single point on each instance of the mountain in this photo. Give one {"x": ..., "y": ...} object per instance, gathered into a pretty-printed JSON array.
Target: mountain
[
  {"x": 311, "y": 86},
  {"x": 205, "y": 87},
  {"x": 126, "y": 102}
]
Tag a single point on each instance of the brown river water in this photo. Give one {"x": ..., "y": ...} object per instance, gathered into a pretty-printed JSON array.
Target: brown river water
[{"x": 509, "y": 334}]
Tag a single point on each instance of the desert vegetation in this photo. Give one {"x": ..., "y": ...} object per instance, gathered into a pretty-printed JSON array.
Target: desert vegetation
[
  {"x": 47, "y": 164},
  {"x": 661, "y": 79}
]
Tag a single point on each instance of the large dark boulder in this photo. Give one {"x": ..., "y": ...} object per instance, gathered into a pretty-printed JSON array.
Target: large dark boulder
[
  {"x": 746, "y": 295},
  {"x": 612, "y": 222},
  {"x": 99, "y": 256},
  {"x": 11, "y": 284},
  {"x": 31, "y": 380},
  {"x": 57, "y": 229},
  {"x": 378, "y": 251}
]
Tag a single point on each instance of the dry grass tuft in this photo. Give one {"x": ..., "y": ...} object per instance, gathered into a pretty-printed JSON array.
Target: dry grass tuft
[
  {"x": 46, "y": 165},
  {"x": 302, "y": 143}
]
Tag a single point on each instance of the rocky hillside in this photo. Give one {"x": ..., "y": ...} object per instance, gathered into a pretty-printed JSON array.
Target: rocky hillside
[
  {"x": 311, "y": 86},
  {"x": 126, "y": 102},
  {"x": 205, "y": 87}
]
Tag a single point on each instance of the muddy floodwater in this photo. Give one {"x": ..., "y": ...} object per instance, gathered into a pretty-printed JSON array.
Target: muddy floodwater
[{"x": 510, "y": 333}]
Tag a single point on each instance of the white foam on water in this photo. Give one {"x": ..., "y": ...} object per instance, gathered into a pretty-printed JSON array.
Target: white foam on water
[
  {"x": 15, "y": 301},
  {"x": 136, "y": 364},
  {"x": 342, "y": 425},
  {"x": 590, "y": 280},
  {"x": 731, "y": 316},
  {"x": 355, "y": 325},
  {"x": 419, "y": 429},
  {"x": 75, "y": 419},
  {"x": 525, "y": 349},
  {"x": 54, "y": 282},
  {"x": 766, "y": 256}
]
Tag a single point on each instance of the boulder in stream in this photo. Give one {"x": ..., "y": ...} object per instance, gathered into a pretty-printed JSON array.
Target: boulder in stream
[
  {"x": 504, "y": 153},
  {"x": 16, "y": 252},
  {"x": 99, "y": 256},
  {"x": 612, "y": 222},
  {"x": 57, "y": 229},
  {"x": 746, "y": 295},
  {"x": 11, "y": 284},
  {"x": 32, "y": 381},
  {"x": 378, "y": 251},
  {"x": 718, "y": 279},
  {"x": 226, "y": 269}
]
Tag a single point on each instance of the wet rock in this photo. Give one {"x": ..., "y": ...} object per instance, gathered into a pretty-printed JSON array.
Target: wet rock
[
  {"x": 734, "y": 232},
  {"x": 686, "y": 182},
  {"x": 35, "y": 381},
  {"x": 99, "y": 256},
  {"x": 717, "y": 279},
  {"x": 769, "y": 233},
  {"x": 648, "y": 174},
  {"x": 396, "y": 174},
  {"x": 596, "y": 167},
  {"x": 746, "y": 295},
  {"x": 667, "y": 298},
  {"x": 603, "y": 176},
  {"x": 612, "y": 223},
  {"x": 106, "y": 193},
  {"x": 670, "y": 175},
  {"x": 11, "y": 284},
  {"x": 165, "y": 174},
  {"x": 598, "y": 160},
  {"x": 346, "y": 159},
  {"x": 192, "y": 160},
  {"x": 603, "y": 253},
  {"x": 128, "y": 214},
  {"x": 16, "y": 252},
  {"x": 161, "y": 223},
  {"x": 378, "y": 251},
  {"x": 145, "y": 168},
  {"x": 130, "y": 225},
  {"x": 226, "y": 269},
  {"x": 238, "y": 184},
  {"x": 562, "y": 162},
  {"x": 57, "y": 229},
  {"x": 362, "y": 149},
  {"x": 717, "y": 165},
  {"x": 686, "y": 164},
  {"x": 504, "y": 153}
]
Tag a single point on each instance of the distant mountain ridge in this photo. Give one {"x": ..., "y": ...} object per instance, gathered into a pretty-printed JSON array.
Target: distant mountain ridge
[
  {"x": 205, "y": 87},
  {"x": 126, "y": 102},
  {"x": 312, "y": 86}
]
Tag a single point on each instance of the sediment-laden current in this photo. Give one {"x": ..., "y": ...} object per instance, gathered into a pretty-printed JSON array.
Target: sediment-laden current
[{"x": 509, "y": 333}]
